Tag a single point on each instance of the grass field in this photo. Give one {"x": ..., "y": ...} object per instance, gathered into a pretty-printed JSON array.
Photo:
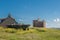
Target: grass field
[{"x": 31, "y": 34}]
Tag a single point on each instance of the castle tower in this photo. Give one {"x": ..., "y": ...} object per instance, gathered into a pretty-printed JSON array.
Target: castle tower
[
  {"x": 44, "y": 23},
  {"x": 9, "y": 15},
  {"x": 38, "y": 19}
]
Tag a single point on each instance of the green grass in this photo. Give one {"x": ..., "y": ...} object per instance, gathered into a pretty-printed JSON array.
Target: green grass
[{"x": 31, "y": 34}]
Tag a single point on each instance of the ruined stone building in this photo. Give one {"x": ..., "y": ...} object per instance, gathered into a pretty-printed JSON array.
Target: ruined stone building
[
  {"x": 7, "y": 21},
  {"x": 39, "y": 23},
  {"x": 10, "y": 22}
]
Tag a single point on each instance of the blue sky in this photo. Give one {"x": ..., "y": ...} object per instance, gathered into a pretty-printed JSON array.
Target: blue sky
[{"x": 27, "y": 10}]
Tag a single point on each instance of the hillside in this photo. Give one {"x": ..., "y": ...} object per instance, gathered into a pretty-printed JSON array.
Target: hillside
[{"x": 31, "y": 34}]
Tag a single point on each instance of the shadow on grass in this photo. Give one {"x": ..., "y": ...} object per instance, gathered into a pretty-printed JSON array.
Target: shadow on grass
[{"x": 41, "y": 30}]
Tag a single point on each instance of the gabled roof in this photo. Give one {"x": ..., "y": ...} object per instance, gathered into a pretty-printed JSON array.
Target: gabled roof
[{"x": 8, "y": 20}]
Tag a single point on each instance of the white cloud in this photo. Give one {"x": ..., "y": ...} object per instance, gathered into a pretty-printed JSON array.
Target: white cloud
[
  {"x": 56, "y": 20},
  {"x": 20, "y": 20},
  {"x": 54, "y": 23}
]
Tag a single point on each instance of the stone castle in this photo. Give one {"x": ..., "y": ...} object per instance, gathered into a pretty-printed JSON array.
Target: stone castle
[
  {"x": 39, "y": 23},
  {"x": 9, "y": 20}
]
